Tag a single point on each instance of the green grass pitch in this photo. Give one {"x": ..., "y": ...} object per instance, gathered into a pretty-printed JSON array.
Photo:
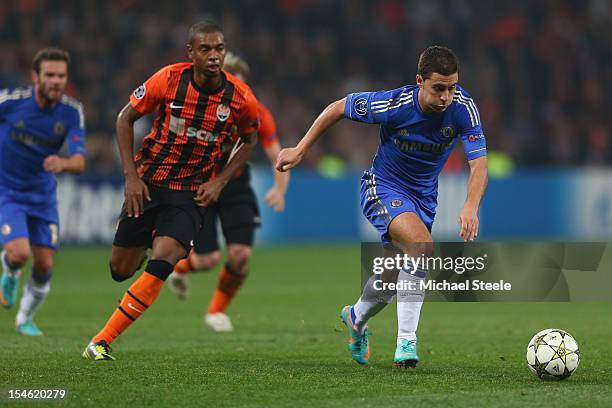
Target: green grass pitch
[{"x": 289, "y": 347}]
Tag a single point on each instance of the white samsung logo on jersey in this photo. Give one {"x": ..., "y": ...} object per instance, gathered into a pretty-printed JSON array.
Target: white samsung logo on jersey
[
  {"x": 177, "y": 126},
  {"x": 202, "y": 134}
]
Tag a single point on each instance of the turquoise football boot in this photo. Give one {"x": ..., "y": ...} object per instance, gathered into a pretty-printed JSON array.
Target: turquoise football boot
[
  {"x": 405, "y": 354},
  {"x": 8, "y": 290},
  {"x": 359, "y": 346},
  {"x": 8, "y": 284},
  {"x": 29, "y": 328}
]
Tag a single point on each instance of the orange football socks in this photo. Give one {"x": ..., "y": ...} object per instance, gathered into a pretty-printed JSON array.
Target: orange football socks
[
  {"x": 228, "y": 285},
  {"x": 183, "y": 266},
  {"x": 136, "y": 300}
]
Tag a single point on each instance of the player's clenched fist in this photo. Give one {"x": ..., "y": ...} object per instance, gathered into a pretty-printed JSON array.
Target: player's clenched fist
[
  {"x": 54, "y": 164},
  {"x": 288, "y": 158}
]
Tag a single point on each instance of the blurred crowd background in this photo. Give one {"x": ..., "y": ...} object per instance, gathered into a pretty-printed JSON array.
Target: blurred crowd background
[{"x": 540, "y": 72}]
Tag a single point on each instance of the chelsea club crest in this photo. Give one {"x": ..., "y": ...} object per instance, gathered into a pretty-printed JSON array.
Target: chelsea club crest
[
  {"x": 59, "y": 128},
  {"x": 448, "y": 132}
]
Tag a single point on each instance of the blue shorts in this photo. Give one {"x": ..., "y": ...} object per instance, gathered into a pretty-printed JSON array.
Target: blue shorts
[
  {"x": 39, "y": 222},
  {"x": 381, "y": 203}
]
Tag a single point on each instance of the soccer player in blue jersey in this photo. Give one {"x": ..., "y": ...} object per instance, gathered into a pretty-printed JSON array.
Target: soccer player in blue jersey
[
  {"x": 419, "y": 127},
  {"x": 34, "y": 124}
]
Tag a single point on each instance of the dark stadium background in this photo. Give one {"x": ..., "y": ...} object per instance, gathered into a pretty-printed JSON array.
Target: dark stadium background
[{"x": 540, "y": 72}]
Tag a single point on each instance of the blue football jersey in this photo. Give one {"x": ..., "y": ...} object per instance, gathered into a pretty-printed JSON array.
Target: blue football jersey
[
  {"x": 28, "y": 134},
  {"x": 413, "y": 145}
]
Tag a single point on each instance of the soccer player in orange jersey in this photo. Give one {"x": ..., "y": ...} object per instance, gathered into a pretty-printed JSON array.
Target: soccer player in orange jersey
[
  {"x": 237, "y": 209},
  {"x": 176, "y": 170}
]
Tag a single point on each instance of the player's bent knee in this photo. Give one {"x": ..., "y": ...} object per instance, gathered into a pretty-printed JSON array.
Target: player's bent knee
[
  {"x": 238, "y": 256},
  {"x": 120, "y": 273},
  {"x": 118, "y": 278},
  {"x": 43, "y": 267},
  {"x": 167, "y": 249},
  {"x": 18, "y": 257},
  {"x": 205, "y": 262},
  {"x": 239, "y": 253},
  {"x": 408, "y": 228}
]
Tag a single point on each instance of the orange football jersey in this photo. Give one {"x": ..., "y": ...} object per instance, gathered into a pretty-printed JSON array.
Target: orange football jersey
[{"x": 184, "y": 146}]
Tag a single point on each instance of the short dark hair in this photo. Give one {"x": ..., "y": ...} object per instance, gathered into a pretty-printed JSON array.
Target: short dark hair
[
  {"x": 204, "y": 27},
  {"x": 437, "y": 58},
  {"x": 49, "y": 54}
]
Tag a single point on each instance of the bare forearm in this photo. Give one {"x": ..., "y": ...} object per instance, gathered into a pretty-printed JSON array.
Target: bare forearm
[
  {"x": 330, "y": 115},
  {"x": 238, "y": 160},
  {"x": 74, "y": 164},
  {"x": 125, "y": 141},
  {"x": 281, "y": 179},
  {"x": 477, "y": 183}
]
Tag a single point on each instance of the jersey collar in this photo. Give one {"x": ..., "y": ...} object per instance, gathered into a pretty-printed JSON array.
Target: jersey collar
[{"x": 208, "y": 91}]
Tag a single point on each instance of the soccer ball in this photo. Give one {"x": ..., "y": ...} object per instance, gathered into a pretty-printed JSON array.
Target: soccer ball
[{"x": 553, "y": 354}]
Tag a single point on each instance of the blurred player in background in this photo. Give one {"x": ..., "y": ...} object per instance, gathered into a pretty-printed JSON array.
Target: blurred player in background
[
  {"x": 34, "y": 124},
  {"x": 237, "y": 209},
  {"x": 419, "y": 127},
  {"x": 198, "y": 106}
]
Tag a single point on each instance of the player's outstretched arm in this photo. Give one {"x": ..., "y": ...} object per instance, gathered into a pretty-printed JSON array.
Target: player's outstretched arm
[
  {"x": 477, "y": 183},
  {"x": 291, "y": 157},
  {"x": 275, "y": 197},
  {"x": 135, "y": 189},
  {"x": 209, "y": 192},
  {"x": 73, "y": 164}
]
